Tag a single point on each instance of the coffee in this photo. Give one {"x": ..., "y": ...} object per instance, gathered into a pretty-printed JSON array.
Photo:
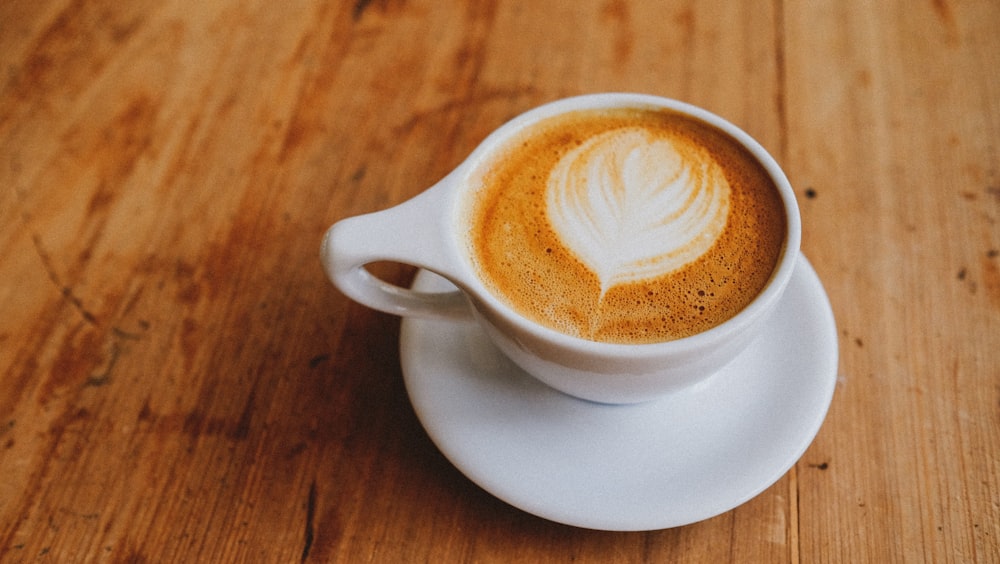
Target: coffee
[{"x": 624, "y": 225}]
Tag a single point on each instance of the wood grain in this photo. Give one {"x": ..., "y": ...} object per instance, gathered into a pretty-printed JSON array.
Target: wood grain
[{"x": 179, "y": 381}]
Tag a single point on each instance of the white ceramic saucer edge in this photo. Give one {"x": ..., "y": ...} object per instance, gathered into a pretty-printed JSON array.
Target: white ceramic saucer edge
[{"x": 675, "y": 461}]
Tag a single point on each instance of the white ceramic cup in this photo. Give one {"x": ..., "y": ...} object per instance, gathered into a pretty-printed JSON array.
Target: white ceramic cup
[{"x": 426, "y": 231}]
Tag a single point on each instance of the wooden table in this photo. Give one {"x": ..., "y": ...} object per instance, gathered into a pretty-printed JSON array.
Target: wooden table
[{"x": 180, "y": 382}]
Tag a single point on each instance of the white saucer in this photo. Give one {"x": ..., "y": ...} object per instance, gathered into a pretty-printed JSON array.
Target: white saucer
[{"x": 671, "y": 462}]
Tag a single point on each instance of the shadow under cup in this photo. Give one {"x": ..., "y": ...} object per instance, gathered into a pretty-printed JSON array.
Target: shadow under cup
[{"x": 437, "y": 225}]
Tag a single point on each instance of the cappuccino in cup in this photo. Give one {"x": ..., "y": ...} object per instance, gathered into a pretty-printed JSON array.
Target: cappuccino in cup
[
  {"x": 624, "y": 225},
  {"x": 617, "y": 247}
]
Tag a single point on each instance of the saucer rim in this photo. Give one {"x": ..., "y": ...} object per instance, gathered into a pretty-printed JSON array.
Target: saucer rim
[{"x": 819, "y": 317}]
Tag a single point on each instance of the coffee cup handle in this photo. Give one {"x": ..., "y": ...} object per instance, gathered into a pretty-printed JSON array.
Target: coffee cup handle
[{"x": 414, "y": 233}]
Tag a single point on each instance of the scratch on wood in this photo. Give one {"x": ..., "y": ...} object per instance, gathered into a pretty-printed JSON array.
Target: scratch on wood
[
  {"x": 120, "y": 339},
  {"x": 310, "y": 516},
  {"x": 104, "y": 377},
  {"x": 66, "y": 291},
  {"x": 125, "y": 335}
]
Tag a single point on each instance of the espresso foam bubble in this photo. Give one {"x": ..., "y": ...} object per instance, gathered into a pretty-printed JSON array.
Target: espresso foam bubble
[
  {"x": 633, "y": 206},
  {"x": 541, "y": 243}
]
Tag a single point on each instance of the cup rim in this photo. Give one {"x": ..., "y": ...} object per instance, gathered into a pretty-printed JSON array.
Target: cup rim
[{"x": 756, "y": 308}]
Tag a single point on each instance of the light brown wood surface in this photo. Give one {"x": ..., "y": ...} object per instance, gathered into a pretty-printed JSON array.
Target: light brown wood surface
[{"x": 179, "y": 382}]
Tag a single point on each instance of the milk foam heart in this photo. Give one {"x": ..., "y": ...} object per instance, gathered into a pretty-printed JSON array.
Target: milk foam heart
[{"x": 635, "y": 206}]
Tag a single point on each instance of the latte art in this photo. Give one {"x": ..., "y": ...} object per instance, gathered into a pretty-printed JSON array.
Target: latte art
[
  {"x": 632, "y": 206},
  {"x": 623, "y": 225}
]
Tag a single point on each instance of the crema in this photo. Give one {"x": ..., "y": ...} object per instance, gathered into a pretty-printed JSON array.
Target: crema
[{"x": 624, "y": 225}]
